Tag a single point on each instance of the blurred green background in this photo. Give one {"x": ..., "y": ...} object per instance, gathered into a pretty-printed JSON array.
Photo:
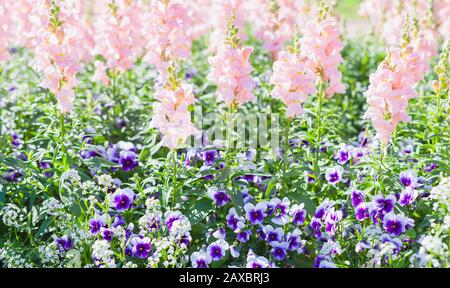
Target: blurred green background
[{"x": 348, "y": 9}]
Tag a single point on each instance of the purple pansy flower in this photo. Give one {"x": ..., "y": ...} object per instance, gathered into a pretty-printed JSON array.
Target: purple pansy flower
[
  {"x": 293, "y": 240},
  {"x": 234, "y": 221},
  {"x": 357, "y": 198},
  {"x": 254, "y": 261},
  {"x": 430, "y": 168},
  {"x": 280, "y": 210},
  {"x": 220, "y": 197},
  {"x": 273, "y": 235},
  {"x": 172, "y": 217},
  {"x": 97, "y": 223},
  {"x": 362, "y": 212},
  {"x": 384, "y": 205},
  {"x": 343, "y": 154},
  {"x": 141, "y": 247},
  {"x": 12, "y": 176},
  {"x": 107, "y": 234},
  {"x": 279, "y": 250},
  {"x": 298, "y": 214},
  {"x": 15, "y": 140},
  {"x": 244, "y": 236},
  {"x": 407, "y": 196},
  {"x": 395, "y": 225},
  {"x": 210, "y": 157},
  {"x": 128, "y": 160},
  {"x": 334, "y": 175},
  {"x": 200, "y": 259},
  {"x": 217, "y": 250},
  {"x": 408, "y": 178},
  {"x": 46, "y": 167},
  {"x": 123, "y": 199},
  {"x": 255, "y": 214},
  {"x": 64, "y": 243}
]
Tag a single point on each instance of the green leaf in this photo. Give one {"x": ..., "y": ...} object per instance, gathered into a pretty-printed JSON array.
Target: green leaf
[{"x": 198, "y": 212}]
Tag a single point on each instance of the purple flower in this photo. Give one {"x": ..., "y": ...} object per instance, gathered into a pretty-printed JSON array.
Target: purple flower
[
  {"x": 408, "y": 178},
  {"x": 113, "y": 153},
  {"x": 63, "y": 243},
  {"x": 15, "y": 140},
  {"x": 332, "y": 218},
  {"x": 128, "y": 160},
  {"x": 123, "y": 199},
  {"x": 430, "y": 168},
  {"x": 121, "y": 123},
  {"x": 255, "y": 214},
  {"x": 141, "y": 247},
  {"x": 273, "y": 235},
  {"x": 20, "y": 155},
  {"x": 12, "y": 176},
  {"x": 250, "y": 155},
  {"x": 280, "y": 210},
  {"x": 118, "y": 221},
  {"x": 323, "y": 209},
  {"x": 107, "y": 234},
  {"x": 191, "y": 157},
  {"x": 46, "y": 166},
  {"x": 309, "y": 177},
  {"x": 98, "y": 222},
  {"x": 407, "y": 196},
  {"x": 171, "y": 218},
  {"x": 200, "y": 259},
  {"x": 343, "y": 155},
  {"x": 210, "y": 157},
  {"x": 298, "y": 214},
  {"x": 388, "y": 239},
  {"x": 279, "y": 250},
  {"x": 293, "y": 240},
  {"x": 334, "y": 175},
  {"x": 217, "y": 250},
  {"x": 357, "y": 198},
  {"x": 220, "y": 197},
  {"x": 394, "y": 225},
  {"x": 244, "y": 236},
  {"x": 234, "y": 221},
  {"x": 316, "y": 225},
  {"x": 362, "y": 212},
  {"x": 384, "y": 205},
  {"x": 255, "y": 262}
]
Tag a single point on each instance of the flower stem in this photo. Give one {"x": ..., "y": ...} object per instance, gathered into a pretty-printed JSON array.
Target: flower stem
[{"x": 319, "y": 119}]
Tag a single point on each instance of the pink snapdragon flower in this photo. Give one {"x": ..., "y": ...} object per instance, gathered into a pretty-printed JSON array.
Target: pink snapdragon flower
[
  {"x": 118, "y": 34},
  {"x": 322, "y": 45},
  {"x": 294, "y": 81},
  {"x": 4, "y": 37},
  {"x": 391, "y": 86},
  {"x": 171, "y": 116},
  {"x": 169, "y": 30},
  {"x": 55, "y": 56},
  {"x": 231, "y": 72}
]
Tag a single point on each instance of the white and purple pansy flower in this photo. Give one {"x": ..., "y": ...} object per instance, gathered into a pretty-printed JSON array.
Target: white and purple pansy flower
[
  {"x": 280, "y": 210},
  {"x": 97, "y": 223},
  {"x": 254, "y": 261},
  {"x": 334, "y": 175},
  {"x": 273, "y": 234},
  {"x": 298, "y": 214},
  {"x": 217, "y": 249},
  {"x": 141, "y": 246},
  {"x": 408, "y": 178},
  {"x": 234, "y": 221},
  {"x": 219, "y": 196},
  {"x": 255, "y": 214},
  {"x": 200, "y": 259},
  {"x": 123, "y": 199},
  {"x": 384, "y": 205},
  {"x": 279, "y": 250},
  {"x": 407, "y": 196}
]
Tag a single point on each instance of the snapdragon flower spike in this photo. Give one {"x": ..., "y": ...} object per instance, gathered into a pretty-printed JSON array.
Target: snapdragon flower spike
[
  {"x": 234, "y": 221},
  {"x": 255, "y": 214},
  {"x": 408, "y": 178},
  {"x": 200, "y": 259},
  {"x": 298, "y": 214},
  {"x": 141, "y": 246},
  {"x": 231, "y": 71},
  {"x": 273, "y": 234},
  {"x": 384, "y": 205},
  {"x": 334, "y": 175},
  {"x": 217, "y": 249},
  {"x": 220, "y": 197},
  {"x": 123, "y": 199},
  {"x": 280, "y": 210}
]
